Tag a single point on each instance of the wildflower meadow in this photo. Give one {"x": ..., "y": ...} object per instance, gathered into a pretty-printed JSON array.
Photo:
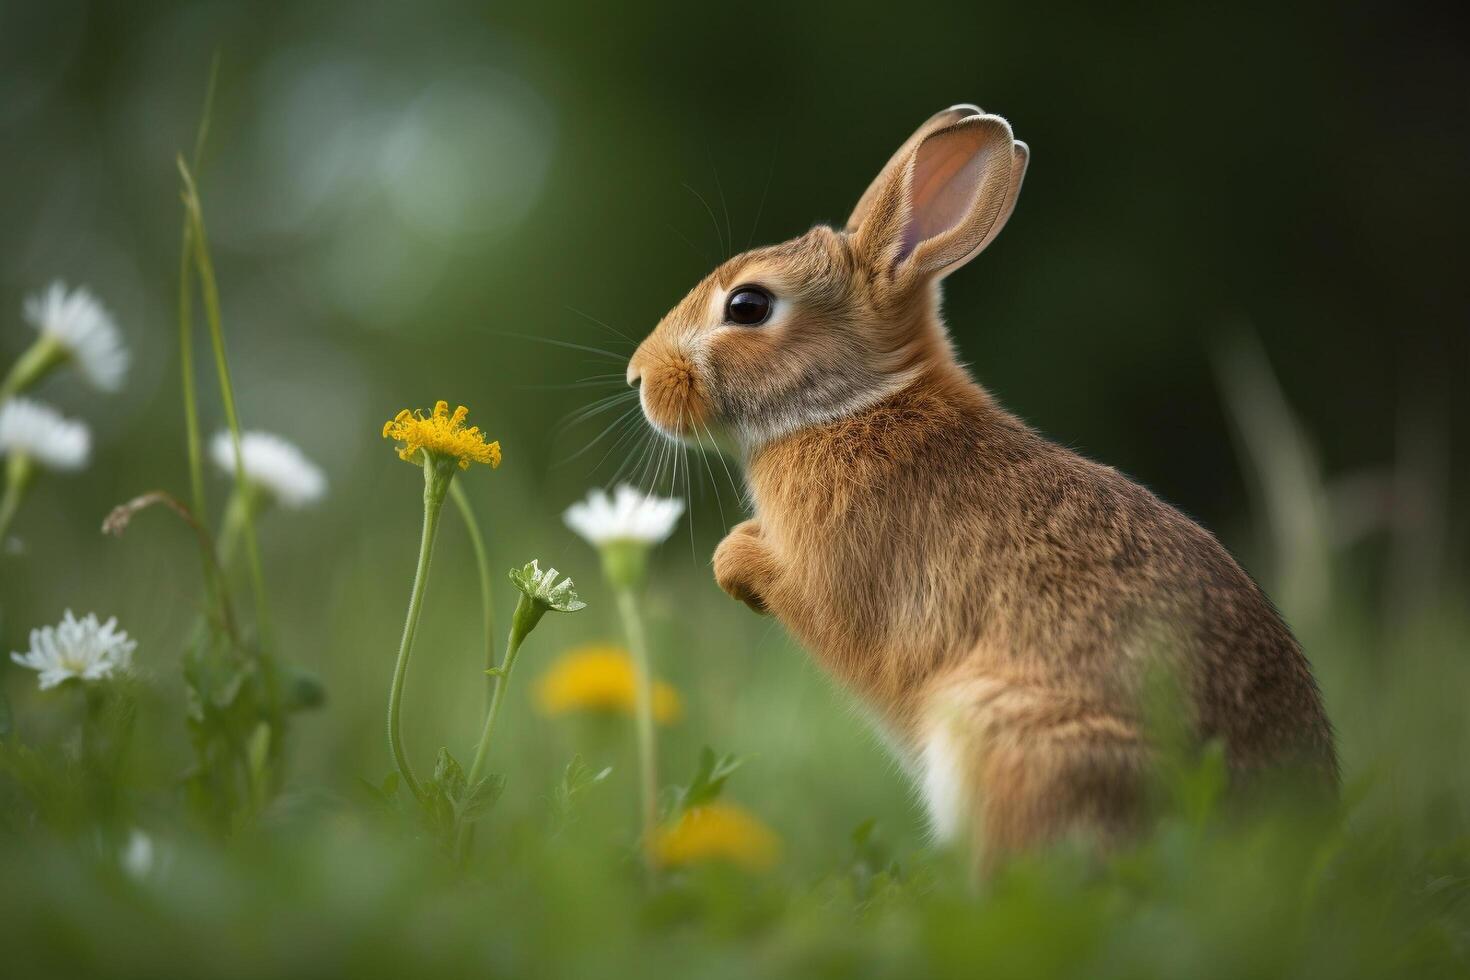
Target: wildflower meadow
[{"x": 355, "y": 622}]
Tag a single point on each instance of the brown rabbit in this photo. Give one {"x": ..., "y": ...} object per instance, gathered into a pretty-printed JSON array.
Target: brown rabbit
[{"x": 996, "y": 598}]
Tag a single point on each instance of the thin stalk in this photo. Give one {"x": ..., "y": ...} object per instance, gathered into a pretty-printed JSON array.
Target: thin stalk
[
  {"x": 201, "y": 135},
  {"x": 209, "y": 288},
  {"x": 18, "y": 473},
  {"x": 214, "y": 579},
  {"x": 186, "y": 313},
  {"x": 122, "y": 515},
  {"x": 487, "y": 604},
  {"x": 186, "y": 366},
  {"x": 214, "y": 582},
  {"x": 233, "y": 526},
  {"x": 39, "y": 360},
  {"x": 500, "y": 680},
  {"x": 433, "y": 505},
  {"x": 643, "y": 715},
  {"x": 527, "y": 614}
]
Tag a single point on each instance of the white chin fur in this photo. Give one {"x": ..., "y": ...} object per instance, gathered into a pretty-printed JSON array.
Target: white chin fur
[{"x": 754, "y": 435}]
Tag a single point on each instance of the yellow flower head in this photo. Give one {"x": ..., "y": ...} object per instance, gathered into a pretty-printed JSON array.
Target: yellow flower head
[
  {"x": 443, "y": 434},
  {"x": 721, "y": 832},
  {"x": 600, "y": 678}
]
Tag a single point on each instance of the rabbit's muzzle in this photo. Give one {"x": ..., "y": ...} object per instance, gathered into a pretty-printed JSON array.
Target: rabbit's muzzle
[{"x": 670, "y": 389}]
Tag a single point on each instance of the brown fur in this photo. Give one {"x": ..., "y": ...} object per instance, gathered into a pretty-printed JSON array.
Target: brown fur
[{"x": 993, "y": 595}]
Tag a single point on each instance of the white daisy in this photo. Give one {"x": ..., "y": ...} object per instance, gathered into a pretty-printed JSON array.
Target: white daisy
[
  {"x": 80, "y": 648},
  {"x": 274, "y": 465},
  {"x": 627, "y": 516},
  {"x": 84, "y": 329},
  {"x": 40, "y": 433}
]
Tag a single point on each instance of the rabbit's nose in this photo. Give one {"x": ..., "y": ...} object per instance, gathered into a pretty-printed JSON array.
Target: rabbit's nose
[{"x": 635, "y": 374}]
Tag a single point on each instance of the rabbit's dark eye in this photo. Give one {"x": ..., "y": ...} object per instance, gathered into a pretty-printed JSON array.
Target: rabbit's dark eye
[{"x": 748, "y": 306}]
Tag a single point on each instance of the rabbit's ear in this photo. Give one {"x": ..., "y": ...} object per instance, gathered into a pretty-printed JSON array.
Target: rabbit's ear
[
  {"x": 948, "y": 201},
  {"x": 900, "y": 159},
  {"x": 1020, "y": 157}
]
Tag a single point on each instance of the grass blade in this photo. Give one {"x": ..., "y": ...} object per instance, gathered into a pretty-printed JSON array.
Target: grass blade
[{"x": 209, "y": 291}]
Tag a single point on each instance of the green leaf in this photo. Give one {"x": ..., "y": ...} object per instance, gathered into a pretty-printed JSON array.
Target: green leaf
[
  {"x": 225, "y": 689},
  {"x": 481, "y": 797},
  {"x": 449, "y": 802},
  {"x": 304, "y": 689},
  {"x": 873, "y": 867},
  {"x": 449, "y": 776},
  {"x": 258, "y": 752},
  {"x": 438, "y": 813},
  {"x": 576, "y": 779},
  {"x": 1198, "y": 788},
  {"x": 193, "y": 705},
  {"x": 384, "y": 794},
  {"x": 372, "y": 792},
  {"x": 578, "y": 776},
  {"x": 709, "y": 778}
]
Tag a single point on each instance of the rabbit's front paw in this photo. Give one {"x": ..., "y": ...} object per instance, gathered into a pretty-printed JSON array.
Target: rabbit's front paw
[{"x": 743, "y": 566}]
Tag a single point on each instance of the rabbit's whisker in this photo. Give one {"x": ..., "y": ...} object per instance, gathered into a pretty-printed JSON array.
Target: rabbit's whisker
[
  {"x": 759, "y": 208},
  {"x": 719, "y": 503},
  {"x": 720, "y": 189},
  {"x": 620, "y": 420},
  {"x": 610, "y": 355},
  {"x": 601, "y": 323},
  {"x": 735, "y": 485},
  {"x": 631, "y": 431},
  {"x": 689, "y": 496},
  {"x": 704, "y": 256},
  {"x": 640, "y": 445},
  {"x": 599, "y": 406},
  {"x": 713, "y": 220},
  {"x": 651, "y": 464},
  {"x": 595, "y": 381},
  {"x": 632, "y": 463}
]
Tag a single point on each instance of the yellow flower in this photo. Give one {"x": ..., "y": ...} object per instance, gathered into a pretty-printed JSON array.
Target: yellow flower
[
  {"x": 718, "y": 831},
  {"x": 442, "y": 434},
  {"x": 600, "y": 678}
]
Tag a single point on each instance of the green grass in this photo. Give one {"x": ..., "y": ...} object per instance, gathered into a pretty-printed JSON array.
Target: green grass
[{"x": 326, "y": 881}]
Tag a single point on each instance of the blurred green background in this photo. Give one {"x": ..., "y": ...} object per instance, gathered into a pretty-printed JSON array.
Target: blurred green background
[{"x": 1236, "y": 272}]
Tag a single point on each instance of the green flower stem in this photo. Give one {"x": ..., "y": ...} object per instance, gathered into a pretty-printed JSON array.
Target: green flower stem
[
  {"x": 487, "y": 604},
  {"x": 643, "y": 712},
  {"x": 235, "y": 521},
  {"x": 437, "y": 476},
  {"x": 625, "y": 565},
  {"x": 19, "y": 471},
  {"x": 39, "y": 360},
  {"x": 528, "y": 613},
  {"x": 93, "y": 704}
]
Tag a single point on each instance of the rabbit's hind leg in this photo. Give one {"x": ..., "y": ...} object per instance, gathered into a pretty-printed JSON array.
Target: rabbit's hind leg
[{"x": 1013, "y": 767}]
